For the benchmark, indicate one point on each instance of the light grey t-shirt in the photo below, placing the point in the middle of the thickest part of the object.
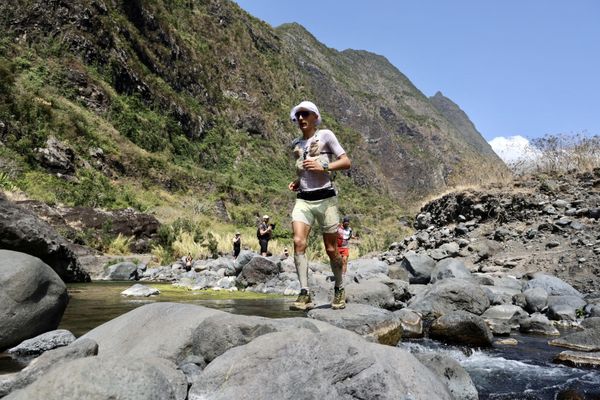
(328, 147)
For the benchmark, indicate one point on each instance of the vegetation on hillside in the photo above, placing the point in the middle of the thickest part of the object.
(180, 109)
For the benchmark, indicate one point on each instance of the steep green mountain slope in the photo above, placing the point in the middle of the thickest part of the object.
(181, 108)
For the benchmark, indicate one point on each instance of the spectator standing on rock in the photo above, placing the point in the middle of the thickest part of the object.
(187, 262)
(237, 245)
(263, 234)
(317, 153)
(343, 242)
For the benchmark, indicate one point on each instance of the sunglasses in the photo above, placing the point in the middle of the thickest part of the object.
(304, 114)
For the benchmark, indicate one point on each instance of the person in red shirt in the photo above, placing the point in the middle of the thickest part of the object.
(344, 236)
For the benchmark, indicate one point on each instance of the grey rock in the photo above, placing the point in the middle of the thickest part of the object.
(372, 323)
(461, 327)
(139, 290)
(586, 340)
(579, 359)
(396, 271)
(44, 363)
(536, 299)
(23, 231)
(450, 295)
(506, 313)
(121, 337)
(341, 365)
(592, 322)
(553, 285)
(243, 258)
(371, 292)
(219, 333)
(364, 268)
(109, 378)
(449, 371)
(538, 324)
(44, 342)
(122, 271)
(450, 268)
(500, 294)
(33, 298)
(412, 323)
(574, 302)
(562, 312)
(258, 270)
(419, 266)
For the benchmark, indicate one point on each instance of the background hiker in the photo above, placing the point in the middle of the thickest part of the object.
(263, 234)
(317, 153)
(343, 242)
(237, 245)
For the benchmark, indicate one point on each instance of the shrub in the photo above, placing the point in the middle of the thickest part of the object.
(120, 245)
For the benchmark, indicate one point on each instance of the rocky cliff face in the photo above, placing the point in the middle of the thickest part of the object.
(417, 146)
(196, 94)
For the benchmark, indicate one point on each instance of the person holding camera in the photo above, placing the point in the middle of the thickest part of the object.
(264, 233)
(237, 245)
(317, 152)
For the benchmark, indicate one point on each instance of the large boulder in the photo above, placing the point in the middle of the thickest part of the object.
(258, 270)
(450, 268)
(23, 231)
(450, 295)
(159, 329)
(109, 378)
(420, 266)
(328, 365)
(450, 372)
(461, 327)
(372, 292)
(33, 298)
(223, 331)
(538, 324)
(411, 321)
(122, 271)
(536, 298)
(552, 285)
(586, 340)
(44, 363)
(364, 268)
(370, 322)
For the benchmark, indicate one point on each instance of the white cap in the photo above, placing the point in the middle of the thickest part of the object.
(308, 106)
(237, 233)
(265, 216)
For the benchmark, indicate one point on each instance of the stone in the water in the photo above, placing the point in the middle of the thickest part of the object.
(139, 290)
(44, 342)
(579, 359)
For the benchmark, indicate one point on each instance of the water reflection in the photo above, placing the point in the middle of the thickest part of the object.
(91, 305)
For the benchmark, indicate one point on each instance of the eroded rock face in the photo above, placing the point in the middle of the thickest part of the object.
(33, 298)
(73, 220)
(23, 231)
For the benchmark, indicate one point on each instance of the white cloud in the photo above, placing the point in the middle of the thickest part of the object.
(514, 149)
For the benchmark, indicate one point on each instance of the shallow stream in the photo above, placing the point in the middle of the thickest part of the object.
(517, 372)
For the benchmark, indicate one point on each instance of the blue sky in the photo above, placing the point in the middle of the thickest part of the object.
(516, 67)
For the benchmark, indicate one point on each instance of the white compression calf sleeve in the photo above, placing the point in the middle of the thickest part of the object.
(302, 269)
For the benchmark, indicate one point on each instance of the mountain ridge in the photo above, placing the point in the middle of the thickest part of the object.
(161, 98)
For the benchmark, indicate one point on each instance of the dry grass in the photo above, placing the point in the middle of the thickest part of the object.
(120, 245)
(561, 153)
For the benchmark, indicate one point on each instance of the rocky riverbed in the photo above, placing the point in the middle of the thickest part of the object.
(480, 267)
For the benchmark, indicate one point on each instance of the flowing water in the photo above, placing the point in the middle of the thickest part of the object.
(522, 372)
